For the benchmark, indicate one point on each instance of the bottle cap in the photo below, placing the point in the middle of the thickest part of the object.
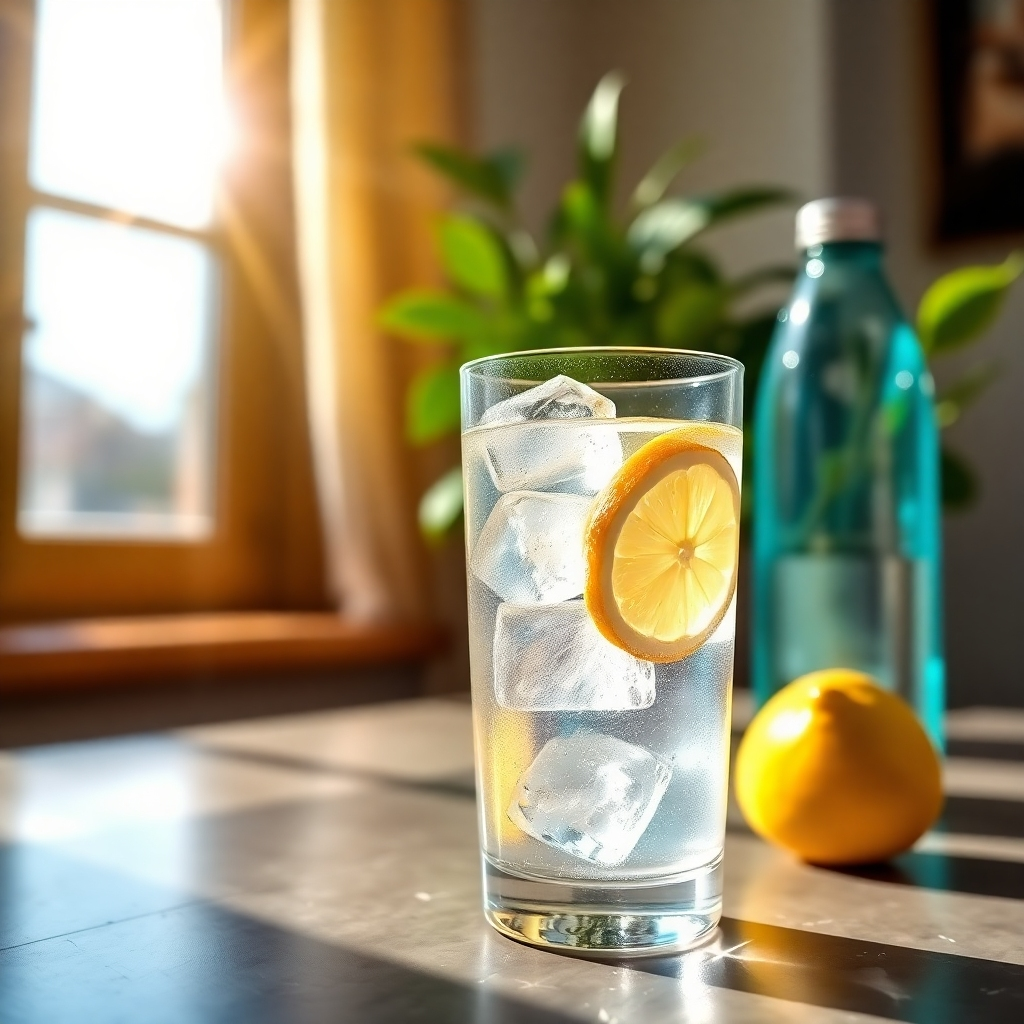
(837, 220)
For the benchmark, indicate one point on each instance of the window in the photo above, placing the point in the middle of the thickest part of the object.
(127, 120)
(152, 426)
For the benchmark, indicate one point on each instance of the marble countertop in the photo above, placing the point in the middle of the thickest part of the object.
(324, 867)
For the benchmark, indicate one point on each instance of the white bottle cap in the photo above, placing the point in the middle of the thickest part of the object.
(837, 220)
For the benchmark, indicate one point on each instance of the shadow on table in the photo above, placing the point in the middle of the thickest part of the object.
(979, 876)
(852, 975)
(973, 875)
(173, 959)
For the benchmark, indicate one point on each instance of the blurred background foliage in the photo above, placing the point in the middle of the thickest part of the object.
(637, 276)
(955, 312)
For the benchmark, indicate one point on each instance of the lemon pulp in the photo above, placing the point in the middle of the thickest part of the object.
(675, 555)
(661, 548)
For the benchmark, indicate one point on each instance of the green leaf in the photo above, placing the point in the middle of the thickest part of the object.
(491, 178)
(582, 220)
(834, 468)
(598, 136)
(755, 336)
(745, 200)
(543, 284)
(433, 408)
(661, 228)
(434, 316)
(555, 274)
(956, 398)
(653, 184)
(690, 265)
(510, 164)
(586, 233)
(688, 315)
(441, 505)
(960, 306)
(473, 257)
(960, 487)
(523, 248)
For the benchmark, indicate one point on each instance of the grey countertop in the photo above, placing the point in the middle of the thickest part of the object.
(324, 867)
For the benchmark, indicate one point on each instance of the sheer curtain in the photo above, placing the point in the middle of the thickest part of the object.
(368, 78)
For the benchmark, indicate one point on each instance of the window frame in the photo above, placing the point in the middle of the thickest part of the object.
(265, 548)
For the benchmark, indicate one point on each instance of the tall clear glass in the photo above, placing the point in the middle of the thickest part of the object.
(601, 698)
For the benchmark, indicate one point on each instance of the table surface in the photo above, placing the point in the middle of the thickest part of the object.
(323, 867)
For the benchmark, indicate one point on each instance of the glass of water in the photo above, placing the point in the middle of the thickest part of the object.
(602, 529)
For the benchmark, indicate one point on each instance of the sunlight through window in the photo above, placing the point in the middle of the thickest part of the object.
(115, 383)
(119, 353)
(128, 106)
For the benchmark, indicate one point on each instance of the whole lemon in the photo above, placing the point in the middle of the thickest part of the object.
(838, 771)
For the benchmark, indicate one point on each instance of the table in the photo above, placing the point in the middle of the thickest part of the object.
(323, 867)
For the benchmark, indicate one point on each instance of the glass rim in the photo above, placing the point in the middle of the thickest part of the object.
(730, 365)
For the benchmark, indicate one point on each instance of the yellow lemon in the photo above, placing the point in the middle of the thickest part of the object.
(661, 547)
(838, 771)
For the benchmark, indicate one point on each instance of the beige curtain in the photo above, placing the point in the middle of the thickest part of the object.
(368, 78)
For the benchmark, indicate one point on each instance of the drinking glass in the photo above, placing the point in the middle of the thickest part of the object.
(602, 521)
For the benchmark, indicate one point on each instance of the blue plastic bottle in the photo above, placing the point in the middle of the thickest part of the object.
(847, 528)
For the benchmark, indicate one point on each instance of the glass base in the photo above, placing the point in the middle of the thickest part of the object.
(643, 919)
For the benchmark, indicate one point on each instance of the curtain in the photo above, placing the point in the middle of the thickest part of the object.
(369, 77)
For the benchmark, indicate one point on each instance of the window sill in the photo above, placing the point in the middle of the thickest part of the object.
(91, 654)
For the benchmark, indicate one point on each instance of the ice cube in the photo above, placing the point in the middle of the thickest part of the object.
(590, 795)
(571, 458)
(530, 550)
(553, 455)
(560, 398)
(554, 659)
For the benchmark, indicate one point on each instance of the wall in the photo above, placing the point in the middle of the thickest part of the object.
(826, 96)
(743, 75)
(881, 104)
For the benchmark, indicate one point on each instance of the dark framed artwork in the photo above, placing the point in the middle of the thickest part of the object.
(979, 59)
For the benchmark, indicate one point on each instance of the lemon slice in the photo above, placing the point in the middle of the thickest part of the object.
(661, 547)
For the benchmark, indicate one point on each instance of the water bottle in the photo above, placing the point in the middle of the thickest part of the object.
(847, 541)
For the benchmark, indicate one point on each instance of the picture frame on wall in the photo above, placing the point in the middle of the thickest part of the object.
(979, 63)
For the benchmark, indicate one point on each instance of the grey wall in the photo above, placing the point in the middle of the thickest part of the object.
(744, 75)
(824, 96)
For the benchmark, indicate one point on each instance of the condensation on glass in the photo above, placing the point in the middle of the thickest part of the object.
(119, 354)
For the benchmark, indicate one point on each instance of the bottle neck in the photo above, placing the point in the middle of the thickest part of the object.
(866, 255)
(848, 272)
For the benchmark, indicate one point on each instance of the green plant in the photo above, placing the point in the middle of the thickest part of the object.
(598, 277)
(633, 277)
(956, 311)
